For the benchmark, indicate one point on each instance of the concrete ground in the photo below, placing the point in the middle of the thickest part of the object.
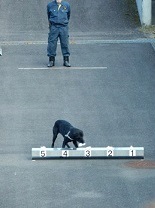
(114, 106)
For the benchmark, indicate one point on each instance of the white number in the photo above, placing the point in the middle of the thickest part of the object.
(65, 153)
(43, 153)
(88, 153)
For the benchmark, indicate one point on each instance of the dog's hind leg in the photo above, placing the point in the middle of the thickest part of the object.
(55, 133)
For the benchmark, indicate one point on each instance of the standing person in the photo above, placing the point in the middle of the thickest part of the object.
(58, 12)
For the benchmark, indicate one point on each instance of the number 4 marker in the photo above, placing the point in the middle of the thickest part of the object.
(65, 153)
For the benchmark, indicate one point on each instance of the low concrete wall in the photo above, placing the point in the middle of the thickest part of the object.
(145, 11)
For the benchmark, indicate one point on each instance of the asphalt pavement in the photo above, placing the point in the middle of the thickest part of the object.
(114, 105)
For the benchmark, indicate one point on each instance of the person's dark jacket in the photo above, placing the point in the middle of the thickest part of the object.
(58, 17)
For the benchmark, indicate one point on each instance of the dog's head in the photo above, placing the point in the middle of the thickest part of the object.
(78, 135)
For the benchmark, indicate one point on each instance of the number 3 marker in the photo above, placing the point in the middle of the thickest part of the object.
(87, 152)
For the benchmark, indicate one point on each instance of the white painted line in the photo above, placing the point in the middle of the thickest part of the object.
(55, 68)
(89, 41)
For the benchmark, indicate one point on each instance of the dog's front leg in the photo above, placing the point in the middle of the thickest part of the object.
(65, 143)
(75, 144)
(68, 145)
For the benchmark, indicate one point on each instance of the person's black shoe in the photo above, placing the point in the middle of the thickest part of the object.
(66, 61)
(51, 62)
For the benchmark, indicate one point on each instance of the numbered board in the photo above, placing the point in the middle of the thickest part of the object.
(89, 152)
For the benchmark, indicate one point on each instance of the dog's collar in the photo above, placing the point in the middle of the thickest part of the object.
(67, 135)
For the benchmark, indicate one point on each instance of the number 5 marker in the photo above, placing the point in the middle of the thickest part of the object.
(43, 151)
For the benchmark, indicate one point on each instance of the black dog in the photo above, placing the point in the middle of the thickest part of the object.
(70, 134)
